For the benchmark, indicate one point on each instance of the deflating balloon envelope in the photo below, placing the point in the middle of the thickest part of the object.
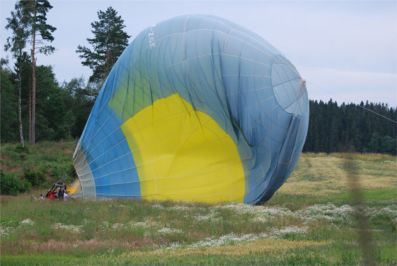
(195, 109)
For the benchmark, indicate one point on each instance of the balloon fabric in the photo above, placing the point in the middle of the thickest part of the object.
(196, 109)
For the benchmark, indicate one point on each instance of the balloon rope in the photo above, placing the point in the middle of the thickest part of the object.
(385, 117)
(369, 110)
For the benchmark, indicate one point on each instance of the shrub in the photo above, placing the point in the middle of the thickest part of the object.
(11, 184)
(20, 149)
(36, 178)
(72, 175)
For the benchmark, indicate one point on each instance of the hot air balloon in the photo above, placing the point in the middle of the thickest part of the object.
(196, 109)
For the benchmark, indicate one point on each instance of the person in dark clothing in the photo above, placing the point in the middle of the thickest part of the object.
(61, 193)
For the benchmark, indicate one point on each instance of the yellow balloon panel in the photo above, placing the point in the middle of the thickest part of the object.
(183, 154)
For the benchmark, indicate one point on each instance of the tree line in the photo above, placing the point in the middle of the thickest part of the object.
(35, 106)
(364, 127)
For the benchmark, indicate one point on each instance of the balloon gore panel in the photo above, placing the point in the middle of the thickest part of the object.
(195, 109)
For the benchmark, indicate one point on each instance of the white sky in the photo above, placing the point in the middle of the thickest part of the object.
(346, 50)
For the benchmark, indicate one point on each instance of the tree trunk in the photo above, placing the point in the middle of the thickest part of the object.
(20, 107)
(32, 137)
(30, 114)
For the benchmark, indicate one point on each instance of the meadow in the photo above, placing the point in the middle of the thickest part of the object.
(312, 220)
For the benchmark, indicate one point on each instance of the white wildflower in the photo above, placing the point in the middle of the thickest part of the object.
(179, 208)
(27, 222)
(71, 228)
(117, 226)
(261, 219)
(259, 213)
(227, 239)
(289, 230)
(167, 230)
(139, 224)
(386, 211)
(174, 245)
(328, 212)
(145, 224)
(210, 216)
(5, 231)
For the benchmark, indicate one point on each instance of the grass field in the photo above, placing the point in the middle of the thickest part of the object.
(310, 220)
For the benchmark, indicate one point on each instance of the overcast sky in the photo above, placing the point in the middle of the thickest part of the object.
(346, 50)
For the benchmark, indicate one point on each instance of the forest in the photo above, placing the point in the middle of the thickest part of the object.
(35, 106)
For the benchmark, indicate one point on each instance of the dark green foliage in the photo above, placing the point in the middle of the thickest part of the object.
(35, 178)
(61, 110)
(382, 144)
(11, 184)
(351, 127)
(80, 99)
(108, 43)
(22, 150)
(53, 114)
(16, 23)
(35, 18)
(9, 108)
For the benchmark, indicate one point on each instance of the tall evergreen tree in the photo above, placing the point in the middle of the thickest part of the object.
(108, 43)
(16, 43)
(35, 16)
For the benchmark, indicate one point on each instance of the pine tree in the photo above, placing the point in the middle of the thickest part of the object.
(16, 43)
(108, 43)
(348, 127)
(34, 14)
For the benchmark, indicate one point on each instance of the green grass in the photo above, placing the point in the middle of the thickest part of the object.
(309, 221)
(372, 197)
(334, 254)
